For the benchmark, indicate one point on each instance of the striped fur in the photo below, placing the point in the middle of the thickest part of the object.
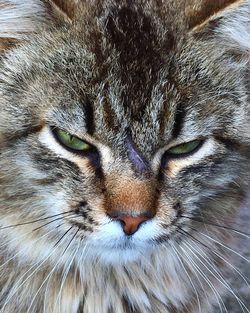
(133, 79)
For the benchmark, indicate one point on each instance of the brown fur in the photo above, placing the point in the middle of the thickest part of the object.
(133, 79)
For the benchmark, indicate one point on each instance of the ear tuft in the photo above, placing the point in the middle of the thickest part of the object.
(19, 18)
(234, 31)
(228, 21)
(201, 12)
(66, 8)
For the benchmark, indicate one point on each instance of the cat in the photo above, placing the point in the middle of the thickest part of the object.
(124, 168)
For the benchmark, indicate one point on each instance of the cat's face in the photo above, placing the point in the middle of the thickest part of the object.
(131, 188)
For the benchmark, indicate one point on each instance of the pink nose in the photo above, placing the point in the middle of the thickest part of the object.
(130, 224)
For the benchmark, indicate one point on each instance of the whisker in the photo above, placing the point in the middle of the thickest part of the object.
(83, 257)
(208, 281)
(71, 258)
(7, 243)
(221, 244)
(179, 256)
(241, 303)
(217, 225)
(56, 219)
(196, 275)
(49, 278)
(216, 253)
(51, 272)
(35, 221)
(73, 237)
(220, 278)
(220, 207)
(63, 236)
(20, 251)
(36, 268)
(231, 290)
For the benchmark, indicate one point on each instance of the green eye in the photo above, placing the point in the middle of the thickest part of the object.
(71, 141)
(185, 148)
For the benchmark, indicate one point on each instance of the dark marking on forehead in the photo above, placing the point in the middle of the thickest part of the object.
(141, 51)
(178, 121)
(109, 115)
(89, 116)
(138, 161)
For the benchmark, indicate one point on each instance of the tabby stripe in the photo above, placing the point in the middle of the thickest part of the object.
(11, 138)
(89, 117)
(178, 121)
(231, 144)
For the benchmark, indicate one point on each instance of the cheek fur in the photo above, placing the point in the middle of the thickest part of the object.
(174, 166)
(136, 77)
(48, 140)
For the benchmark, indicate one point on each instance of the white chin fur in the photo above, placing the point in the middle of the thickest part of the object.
(120, 256)
(111, 246)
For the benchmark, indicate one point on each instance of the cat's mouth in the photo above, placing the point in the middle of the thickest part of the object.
(122, 251)
(110, 242)
(112, 245)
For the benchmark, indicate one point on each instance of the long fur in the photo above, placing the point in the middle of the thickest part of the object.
(119, 75)
(19, 18)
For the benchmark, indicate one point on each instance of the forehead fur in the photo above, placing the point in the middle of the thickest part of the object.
(138, 43)
(131, 64)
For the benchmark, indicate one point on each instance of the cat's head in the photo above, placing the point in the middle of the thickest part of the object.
(122, 125)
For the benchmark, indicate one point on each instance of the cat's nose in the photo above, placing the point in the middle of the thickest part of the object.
(130, 224)
(131, 201)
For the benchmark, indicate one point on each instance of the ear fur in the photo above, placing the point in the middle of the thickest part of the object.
(234, 31)
(66, 8)
(20, 18)
(201, 12)
(227, 20)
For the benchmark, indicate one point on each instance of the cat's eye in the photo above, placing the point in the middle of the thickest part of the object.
(70, 141)
(185, 148)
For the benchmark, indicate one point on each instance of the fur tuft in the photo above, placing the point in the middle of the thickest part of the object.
(20, 17)
(124, 76)
(236, 30)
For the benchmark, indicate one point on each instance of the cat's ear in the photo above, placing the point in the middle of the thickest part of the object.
(21, 18)
(201, 12)
(64, 10)
(228, 21)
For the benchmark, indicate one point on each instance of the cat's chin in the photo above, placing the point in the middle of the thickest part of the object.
(120, 256)
(111, 246)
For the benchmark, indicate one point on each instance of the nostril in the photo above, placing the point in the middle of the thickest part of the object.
(130, 224)
(122, 222)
